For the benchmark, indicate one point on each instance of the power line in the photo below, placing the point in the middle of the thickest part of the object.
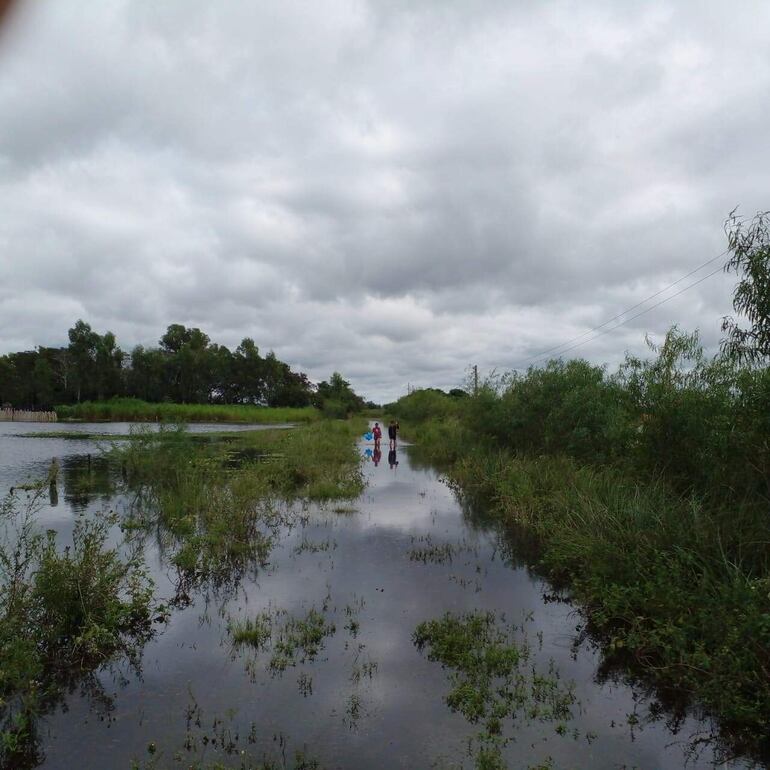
(647, 310)
(628, 310)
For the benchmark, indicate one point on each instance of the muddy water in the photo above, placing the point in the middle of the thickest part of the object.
(403, 553)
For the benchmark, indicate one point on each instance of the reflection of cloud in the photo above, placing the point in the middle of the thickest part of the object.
(421, 188)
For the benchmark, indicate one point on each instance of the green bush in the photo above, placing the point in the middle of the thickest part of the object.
(63, 614)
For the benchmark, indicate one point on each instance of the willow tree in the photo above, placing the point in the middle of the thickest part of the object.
(749, 245)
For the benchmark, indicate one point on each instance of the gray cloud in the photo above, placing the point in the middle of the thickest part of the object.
(393, 190)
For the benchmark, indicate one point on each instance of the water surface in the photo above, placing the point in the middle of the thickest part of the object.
(370, 698)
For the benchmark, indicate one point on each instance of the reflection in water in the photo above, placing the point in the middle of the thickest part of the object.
(68, 610)
(86, 479)
(406, 553)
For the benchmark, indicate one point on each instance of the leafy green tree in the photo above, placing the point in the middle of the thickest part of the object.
(108, 365)
(9, 382)
(43, 383)
(146, 375)
(24, 369)
(337, 397)
(283, 387)
(249, 372)
(175, 338)
(749, 243)
(82, 357)
(188, 363)
(223, 385)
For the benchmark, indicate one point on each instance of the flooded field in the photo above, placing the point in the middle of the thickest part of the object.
(397, 630)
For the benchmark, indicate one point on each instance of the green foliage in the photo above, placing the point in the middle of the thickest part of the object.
(647, 493)
(681, 585)
(292, 641)
(216, 498)
(64, 614)
(749, 244)
(186, 367)
(420, 405)
(136, 410)
(491, 677)
(337, 399)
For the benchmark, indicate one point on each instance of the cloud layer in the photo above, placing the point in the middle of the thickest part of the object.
(391, 190)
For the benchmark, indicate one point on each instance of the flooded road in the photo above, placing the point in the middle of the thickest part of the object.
(362, 694)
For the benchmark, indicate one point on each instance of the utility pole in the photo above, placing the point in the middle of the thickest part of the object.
(475, 380)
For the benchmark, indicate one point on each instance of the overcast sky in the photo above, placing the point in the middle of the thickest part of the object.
(394, 190)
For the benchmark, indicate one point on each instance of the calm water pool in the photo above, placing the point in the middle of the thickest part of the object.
(404, 552)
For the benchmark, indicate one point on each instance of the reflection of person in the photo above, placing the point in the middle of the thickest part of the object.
(377, 431)
(392, 458)
(377, 456)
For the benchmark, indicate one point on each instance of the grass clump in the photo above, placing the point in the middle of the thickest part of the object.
(63, 614)
(295, 640)
(491, 678)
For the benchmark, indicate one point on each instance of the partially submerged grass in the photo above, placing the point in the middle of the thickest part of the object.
(64, 613)
(73, 435)
(136, 410)
(493, 682)
(681, 589)
(433, 554)
(291, 640)
(223, 745)
(221, 503)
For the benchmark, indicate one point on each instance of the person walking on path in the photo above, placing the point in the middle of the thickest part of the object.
(393, 433)
(377, 431)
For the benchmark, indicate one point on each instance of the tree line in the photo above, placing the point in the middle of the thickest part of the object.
(185, 367)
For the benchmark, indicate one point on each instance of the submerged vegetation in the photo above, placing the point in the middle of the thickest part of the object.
(647, 491)
(493, 681)
(232, 749)
(65, 612)
(293, 640)
(220, 502)
(213, 503)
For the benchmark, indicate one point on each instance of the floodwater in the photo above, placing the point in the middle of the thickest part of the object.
(403, 553)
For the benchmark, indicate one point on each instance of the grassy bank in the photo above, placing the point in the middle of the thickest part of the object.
(651, 509)
(136, 410)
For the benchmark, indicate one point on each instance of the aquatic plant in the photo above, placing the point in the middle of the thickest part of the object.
(64, 613)
(492, 680)
(292, 641)
(223, 501)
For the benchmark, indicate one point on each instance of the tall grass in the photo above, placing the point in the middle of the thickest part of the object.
(136, 410)
(647, 493)
(684, 587)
